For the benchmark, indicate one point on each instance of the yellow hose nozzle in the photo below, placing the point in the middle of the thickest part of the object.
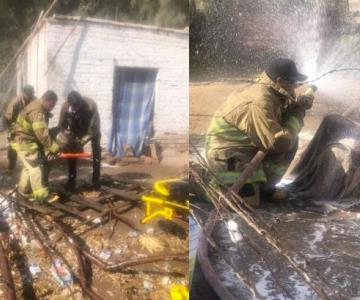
(311, 90)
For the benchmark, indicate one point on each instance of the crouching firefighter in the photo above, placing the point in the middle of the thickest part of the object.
(80, 121)
(266, 116)
(14, 108)
(33, 143)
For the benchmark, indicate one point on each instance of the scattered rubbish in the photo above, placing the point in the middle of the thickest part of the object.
(133, 234)
(14, 228)
(151, 244)
(234, 231)
(150, 230)
(53, 198)
(118, 251)
(105, 254)
(47, 269)
(167, 267)
(140, 255)
(111, 294)
(35, 245)
(91, 194)
(148, 285)
(61, 274)
(96, 221)
(24, 240)
(35, 269)
(165, 281)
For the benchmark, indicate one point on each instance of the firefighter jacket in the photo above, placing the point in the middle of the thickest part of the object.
(13, 109)
(83, 124)
(259, 117)
(31, 129)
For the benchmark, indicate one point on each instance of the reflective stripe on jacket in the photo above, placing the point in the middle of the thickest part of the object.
(259, 117)
(31, 130)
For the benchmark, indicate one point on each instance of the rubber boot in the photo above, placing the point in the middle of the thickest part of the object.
(250, 193)
(71, 185)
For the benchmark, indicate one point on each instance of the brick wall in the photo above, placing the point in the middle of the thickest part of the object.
(90, 50)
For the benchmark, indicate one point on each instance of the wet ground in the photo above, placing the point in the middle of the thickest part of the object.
(327, 244)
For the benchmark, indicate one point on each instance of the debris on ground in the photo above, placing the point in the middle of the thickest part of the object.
(151, 243)
(90, 244)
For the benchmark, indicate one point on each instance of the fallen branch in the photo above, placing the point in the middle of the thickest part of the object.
(72, 242)
(6, 276)
(259, 225)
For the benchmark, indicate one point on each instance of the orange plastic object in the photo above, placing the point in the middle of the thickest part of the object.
(74, 155)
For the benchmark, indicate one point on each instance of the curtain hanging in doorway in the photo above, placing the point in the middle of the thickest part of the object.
(132, 110)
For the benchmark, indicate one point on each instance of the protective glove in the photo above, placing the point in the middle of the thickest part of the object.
(305, 101)
(85, 140)
(297, 110)
(52, 156)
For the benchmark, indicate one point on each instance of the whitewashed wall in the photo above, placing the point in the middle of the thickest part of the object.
(89, 54)
(33, 62)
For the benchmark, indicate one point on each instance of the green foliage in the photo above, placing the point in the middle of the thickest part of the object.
(18, 16)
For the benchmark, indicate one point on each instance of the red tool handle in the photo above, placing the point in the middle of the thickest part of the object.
(74, 155)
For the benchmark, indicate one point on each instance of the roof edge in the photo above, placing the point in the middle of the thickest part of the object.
(120, 24)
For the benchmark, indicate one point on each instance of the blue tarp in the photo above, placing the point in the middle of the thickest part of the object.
(132, 110)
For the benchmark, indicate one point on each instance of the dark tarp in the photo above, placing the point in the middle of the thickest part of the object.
(330, 166)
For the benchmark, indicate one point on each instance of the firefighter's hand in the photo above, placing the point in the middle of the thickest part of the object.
(85, 140)
(298, 110)
(305, 102)
(52, 156)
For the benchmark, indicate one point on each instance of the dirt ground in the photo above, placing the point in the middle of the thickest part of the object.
(149, 281)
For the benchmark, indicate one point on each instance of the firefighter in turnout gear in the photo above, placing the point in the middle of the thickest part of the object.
(80, 122)
(33, 143)
(14, 108)
(266, 116)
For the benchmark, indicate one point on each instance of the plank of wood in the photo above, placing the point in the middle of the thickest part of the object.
(82, 201)
(125, 195)
(153, 152)
(67, 209)
(37, 207)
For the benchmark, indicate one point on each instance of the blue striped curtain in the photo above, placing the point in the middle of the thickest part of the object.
(132, 110)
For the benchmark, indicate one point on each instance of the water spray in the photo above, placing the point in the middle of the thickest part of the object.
(332, 71)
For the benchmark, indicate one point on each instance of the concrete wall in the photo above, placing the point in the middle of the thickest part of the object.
(91, 50)
(32, 64)
(354, 5)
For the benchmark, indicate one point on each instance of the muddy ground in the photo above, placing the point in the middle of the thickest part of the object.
(110, 237)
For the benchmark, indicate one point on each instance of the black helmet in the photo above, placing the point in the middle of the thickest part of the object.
(74, 97)
(286, 69)
(29, 91)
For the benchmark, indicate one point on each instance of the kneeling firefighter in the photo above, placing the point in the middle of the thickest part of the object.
(266, 116)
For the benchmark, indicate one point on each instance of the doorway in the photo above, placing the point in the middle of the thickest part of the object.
(132, 110)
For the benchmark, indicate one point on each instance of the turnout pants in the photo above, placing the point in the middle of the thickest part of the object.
(96, 155)
(34, 175)
(263, 180)
(11, 152)
(12, 157)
